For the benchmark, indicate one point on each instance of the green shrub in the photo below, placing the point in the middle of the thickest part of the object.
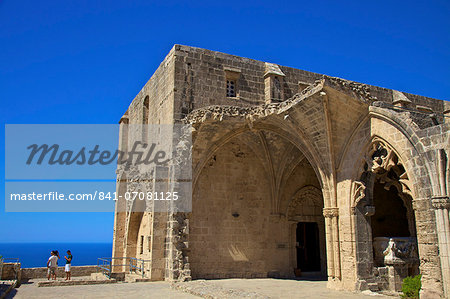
(411, 286)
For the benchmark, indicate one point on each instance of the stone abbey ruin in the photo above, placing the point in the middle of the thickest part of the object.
(293, 174)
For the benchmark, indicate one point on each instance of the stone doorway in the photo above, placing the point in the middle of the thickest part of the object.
(308, 253)
(308, 247)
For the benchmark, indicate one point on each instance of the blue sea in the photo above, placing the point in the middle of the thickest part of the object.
(37, 254)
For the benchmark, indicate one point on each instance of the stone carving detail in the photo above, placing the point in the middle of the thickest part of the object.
(218, 112)
(383, 164)
(381, 157)
(330, 212)
(362, 90)
(442, 202)
(358, 194)
(308, 198)
(391, 251)
(381, 160)
(251, 113)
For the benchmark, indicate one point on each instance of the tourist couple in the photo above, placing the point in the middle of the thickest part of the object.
(52, 264)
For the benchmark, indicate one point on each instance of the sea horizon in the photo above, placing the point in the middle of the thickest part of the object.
(36, 254)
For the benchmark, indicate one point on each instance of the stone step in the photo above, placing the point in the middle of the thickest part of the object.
(373, 286)
(73, 282)
(143, 280)
(136, 278)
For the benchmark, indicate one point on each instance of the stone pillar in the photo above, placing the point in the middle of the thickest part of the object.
(118, 239)
(329, 242)
(158, 246)
(177, 263)
(442, 207)
(159, 226)
(441, 204)
(336, 246)
(332, 239)
(120, 214)
(396, 274)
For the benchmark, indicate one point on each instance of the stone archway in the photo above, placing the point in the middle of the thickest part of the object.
(135, 216)
(384, 219)
(238, 225)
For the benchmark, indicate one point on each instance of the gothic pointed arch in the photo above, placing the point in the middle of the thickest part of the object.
(382, 205)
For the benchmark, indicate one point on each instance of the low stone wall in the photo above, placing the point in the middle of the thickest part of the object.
(10, 271)
(30, 273)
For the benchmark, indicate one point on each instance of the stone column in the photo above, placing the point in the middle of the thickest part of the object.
(442, 207)
(441, 204)
(332, 239)
(120, 222)
(120, 214)
(177, 262)
(159, 225)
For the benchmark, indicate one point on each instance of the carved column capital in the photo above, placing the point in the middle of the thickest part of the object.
(330, 212)
(440, 202)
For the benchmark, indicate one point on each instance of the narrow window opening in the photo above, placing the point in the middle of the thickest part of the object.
(276, 91)
(145, 117)
(142, 245)
(231, 88)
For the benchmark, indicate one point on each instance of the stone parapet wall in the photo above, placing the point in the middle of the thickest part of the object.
(31, 273)
(10, 271)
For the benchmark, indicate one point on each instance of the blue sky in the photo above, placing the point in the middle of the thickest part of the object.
(83, 61)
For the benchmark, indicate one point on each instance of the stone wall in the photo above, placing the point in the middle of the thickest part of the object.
(157, 97)
(41, 272)
(159, 89)
(10, 271)
(201, 75)
(228, 226)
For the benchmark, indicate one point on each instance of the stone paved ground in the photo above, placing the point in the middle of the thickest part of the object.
(226, 288)
(117, 290)
(283, 288)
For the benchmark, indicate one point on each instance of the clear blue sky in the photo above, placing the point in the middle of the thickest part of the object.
(83, 62)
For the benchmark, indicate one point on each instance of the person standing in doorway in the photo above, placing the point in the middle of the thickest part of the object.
(68, 264)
